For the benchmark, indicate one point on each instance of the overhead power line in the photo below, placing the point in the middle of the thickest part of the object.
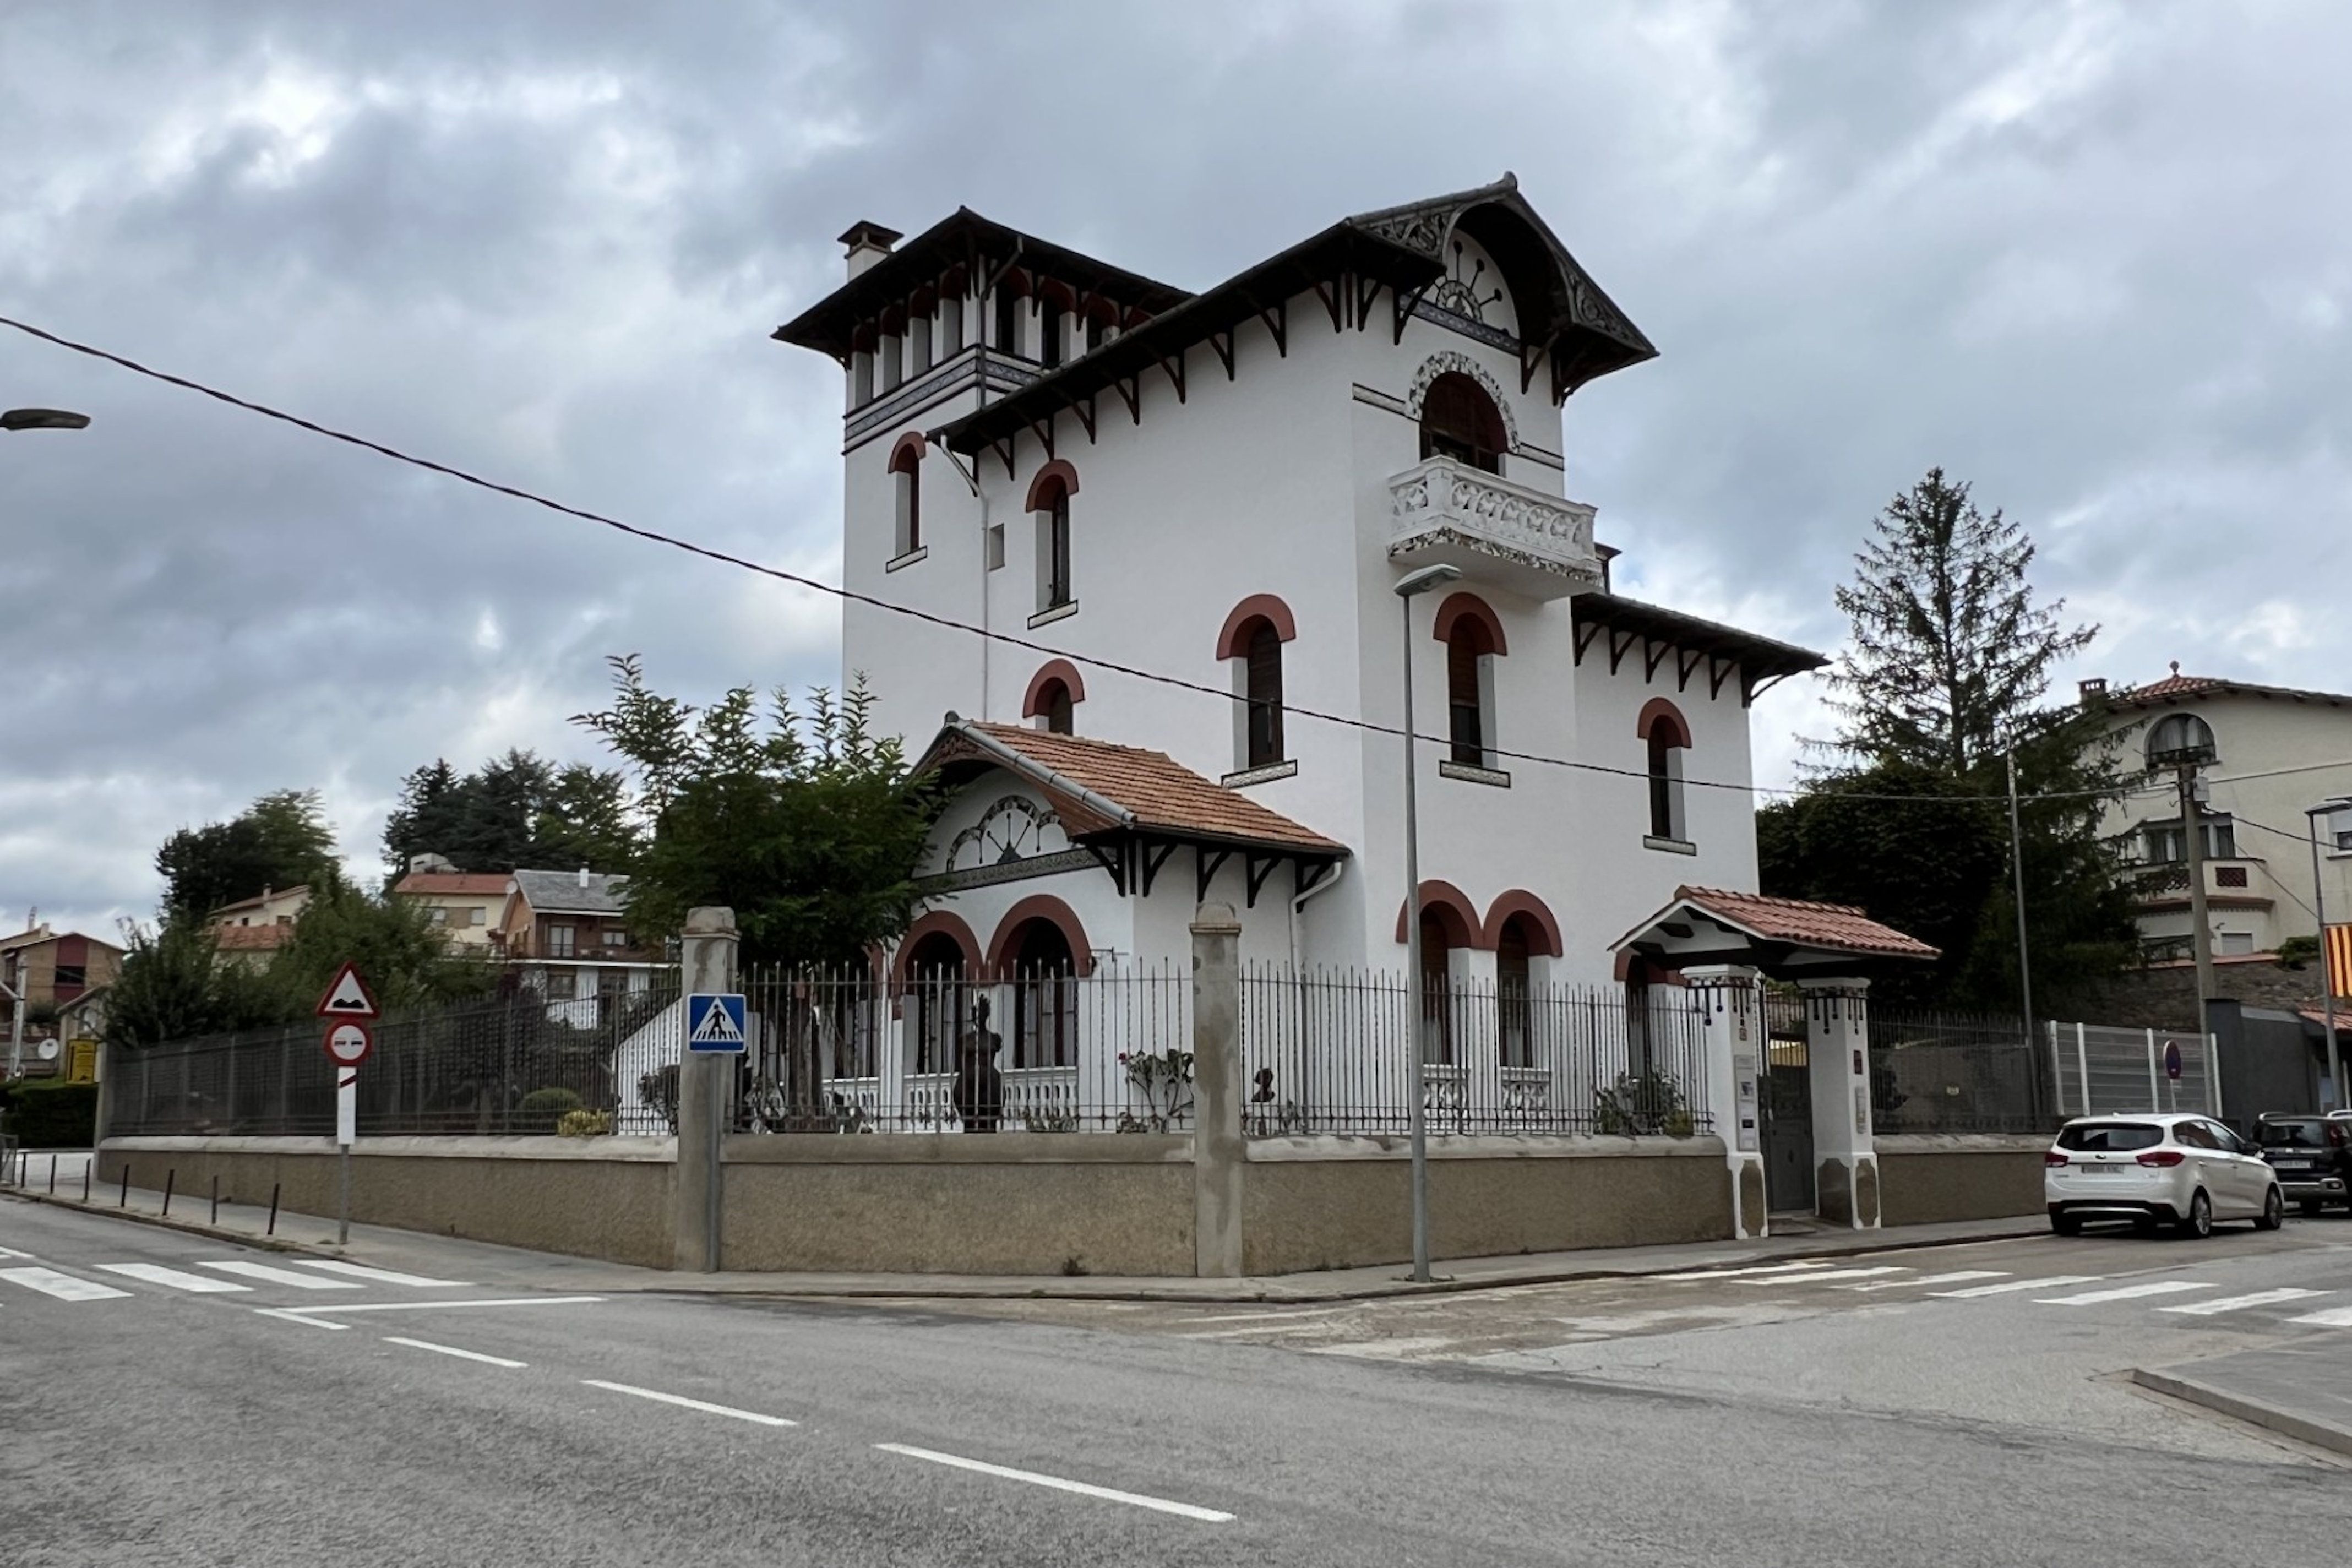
(852, 596)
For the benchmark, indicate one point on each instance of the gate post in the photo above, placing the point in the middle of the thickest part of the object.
(705, 1082)
(1731, 1041)
(1837, 1049)
(1218, 1151)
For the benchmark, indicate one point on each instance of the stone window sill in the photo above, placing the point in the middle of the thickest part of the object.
(921, 552)
(1449, 769)
(1671, 846)
(1267, 775)
(1053, 613)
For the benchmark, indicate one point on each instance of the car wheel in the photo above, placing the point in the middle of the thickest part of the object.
(2309, 1208)
(2198, 1221)
(2066, 1224)
(2273, 1212)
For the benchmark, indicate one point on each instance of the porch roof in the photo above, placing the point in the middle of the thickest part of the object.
(1785, 938)
(1100, 788)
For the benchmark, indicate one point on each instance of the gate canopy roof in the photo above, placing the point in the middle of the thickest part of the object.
(1787, 939)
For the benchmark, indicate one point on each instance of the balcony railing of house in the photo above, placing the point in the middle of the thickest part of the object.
(1538, 545)
(2167, 881)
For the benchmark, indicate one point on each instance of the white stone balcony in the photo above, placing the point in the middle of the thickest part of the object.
(1498, 532)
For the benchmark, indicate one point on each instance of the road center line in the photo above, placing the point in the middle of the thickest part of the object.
(452, 1349)
(2124, 1293)
(2238, 1303)
(1109, 1494)
(681, 1400)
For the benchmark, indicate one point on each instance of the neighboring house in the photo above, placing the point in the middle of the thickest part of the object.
(51, 969)
(467, 906)
(250, 929)
(567, 932)
(1224, 488)
(2280, 751)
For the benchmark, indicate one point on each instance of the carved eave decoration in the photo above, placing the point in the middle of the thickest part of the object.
(1668, 646)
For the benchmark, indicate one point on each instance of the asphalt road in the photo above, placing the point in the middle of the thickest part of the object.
(1752, 1422)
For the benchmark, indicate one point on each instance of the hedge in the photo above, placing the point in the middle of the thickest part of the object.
(51, 1115)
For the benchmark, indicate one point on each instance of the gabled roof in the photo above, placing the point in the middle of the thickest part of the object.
(41, 934)
(2178, 687)
(1100, 788)
(1780, 936)
(1563, 316)
(464, 884)
(251, 939)
(561, 892)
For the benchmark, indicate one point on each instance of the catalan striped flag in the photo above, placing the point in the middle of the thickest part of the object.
(2339, 960)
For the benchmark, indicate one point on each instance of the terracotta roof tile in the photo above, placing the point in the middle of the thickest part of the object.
(251, 939)
(474, 884)
(1839, 926)
(2177, 686)
(1159, 792)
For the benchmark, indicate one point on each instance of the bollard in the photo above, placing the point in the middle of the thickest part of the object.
(273, 1210)
(169, 1173)
(124, 1201)
(216, 1199)
(52, 1175)
(86, 1164)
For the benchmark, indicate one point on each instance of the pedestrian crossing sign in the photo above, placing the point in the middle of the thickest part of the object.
(714, 1022)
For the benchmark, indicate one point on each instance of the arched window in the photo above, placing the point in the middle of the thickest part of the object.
(934, 1000)
(1051, 506)
(1514, 1006)
(906, 483)
(1056, 709)
(919, 310)
(1668, 737)
(1458, 420)
(1045, 987)
(1055, 691)
(1262, 677)
(1437, 944)
(1469, 648)
(1005, 337)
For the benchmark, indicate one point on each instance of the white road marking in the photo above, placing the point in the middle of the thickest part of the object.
(452, 1349)
(2239, 1303)
(2124, 1293)
(64, 1286)
(1311, 1327)
(295, 1315)
(1734, 1273)
(425, 1305)
(276, 1276)
(381, 1276)
(1383, 1349)
(12, 1252)
(1829, 1274)
(1954, 1278)
(1109, 1494)
(2051, 1283)
(156, 1274)
(704, 1405)
(2333, 1318)
(1286, 1312)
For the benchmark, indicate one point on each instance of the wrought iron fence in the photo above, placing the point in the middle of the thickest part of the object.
(1951, 1072)
(936, 1051)
(512, 1065)
(1331, 1051)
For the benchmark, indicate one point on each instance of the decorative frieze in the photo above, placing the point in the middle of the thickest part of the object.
(1525, 541)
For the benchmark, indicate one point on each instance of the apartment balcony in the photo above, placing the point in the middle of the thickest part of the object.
(1502, 534)
(2243, 881)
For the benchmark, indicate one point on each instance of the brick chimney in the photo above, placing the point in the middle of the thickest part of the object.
(868, 243)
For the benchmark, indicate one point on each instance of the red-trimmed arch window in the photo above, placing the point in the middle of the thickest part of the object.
(1666, 734)
(1252, 641)
(906, 495)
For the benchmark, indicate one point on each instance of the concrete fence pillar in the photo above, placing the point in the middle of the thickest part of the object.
(1731, 1023)
(1837, 1055)
(705, 1091)
(1219, 1155)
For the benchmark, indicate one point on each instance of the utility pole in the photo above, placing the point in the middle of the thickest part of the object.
(2017, 872)
(2327, 808)
(1417, 1003)
(2201, 933)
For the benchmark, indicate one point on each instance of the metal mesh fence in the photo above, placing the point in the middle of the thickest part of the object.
(1331, 1051)
(1948, 1072)
(2097, 1069)
(508, 1065)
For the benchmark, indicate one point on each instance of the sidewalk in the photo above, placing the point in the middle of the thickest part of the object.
(249, 1225)
(2303, 1392)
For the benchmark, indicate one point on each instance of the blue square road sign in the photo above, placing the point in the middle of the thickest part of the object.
(714, 1022)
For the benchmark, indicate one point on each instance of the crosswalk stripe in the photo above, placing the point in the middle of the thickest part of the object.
(2333, 1318)
(1734, 1273)
(1829, 1274)
(64, 1286)
(276, 1276)
(12, 1252)
(156, 1274)
(1954, 1278)
(2005, 1287)
(380, 1275)
(2239, 1303)
(2124, 1293)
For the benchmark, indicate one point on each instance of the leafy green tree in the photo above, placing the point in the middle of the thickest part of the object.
(805, 821)
(408, 963)
(513, 811)
(1948, 663)
(174, 986)
(282, 841)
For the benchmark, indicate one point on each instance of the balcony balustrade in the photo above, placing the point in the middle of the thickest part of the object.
(1498, 532)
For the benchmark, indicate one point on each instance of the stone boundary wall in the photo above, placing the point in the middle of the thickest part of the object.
(1924, 1178)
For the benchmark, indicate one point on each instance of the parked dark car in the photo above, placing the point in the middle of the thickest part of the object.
(2313, 1157)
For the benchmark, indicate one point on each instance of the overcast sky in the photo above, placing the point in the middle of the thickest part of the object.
(2095, 258)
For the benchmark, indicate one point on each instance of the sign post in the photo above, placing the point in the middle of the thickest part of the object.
(348, 1008)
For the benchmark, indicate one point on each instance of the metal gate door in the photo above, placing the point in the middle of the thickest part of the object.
(1788, 1128)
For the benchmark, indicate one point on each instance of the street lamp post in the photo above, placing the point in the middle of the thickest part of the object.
(1407, 587)
(2311, 817)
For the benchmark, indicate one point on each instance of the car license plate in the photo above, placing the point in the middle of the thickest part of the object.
(2100, 1169)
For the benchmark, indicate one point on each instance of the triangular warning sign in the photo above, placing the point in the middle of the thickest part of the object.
(349, 996)
(717, 1027)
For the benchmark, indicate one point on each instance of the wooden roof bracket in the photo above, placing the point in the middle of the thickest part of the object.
(1130, 392)
(1085, 410)
(1751, 690)
(1257, 868)
(1684, 665)
(1718, 670)
(1154, 855)
(1175, 372)
(1618, 647)
(1044, 429)
(1113, 860)
(1003, 446)
(1206, 864)
(1406, 304)
(1278, 323)
(1652, 655)
(1368, 289)
(1222, 343)
(1584, 635)
(1330, 298)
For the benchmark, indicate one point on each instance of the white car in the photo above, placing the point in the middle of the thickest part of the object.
(2158, 1169)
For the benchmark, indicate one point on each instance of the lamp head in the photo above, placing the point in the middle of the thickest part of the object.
(1428, 577)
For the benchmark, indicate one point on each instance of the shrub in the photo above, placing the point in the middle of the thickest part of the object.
(541, 1109)
(51, 1115)
(583, 1124)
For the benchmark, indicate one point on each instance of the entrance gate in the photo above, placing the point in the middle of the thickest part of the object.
(1788, 1108)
